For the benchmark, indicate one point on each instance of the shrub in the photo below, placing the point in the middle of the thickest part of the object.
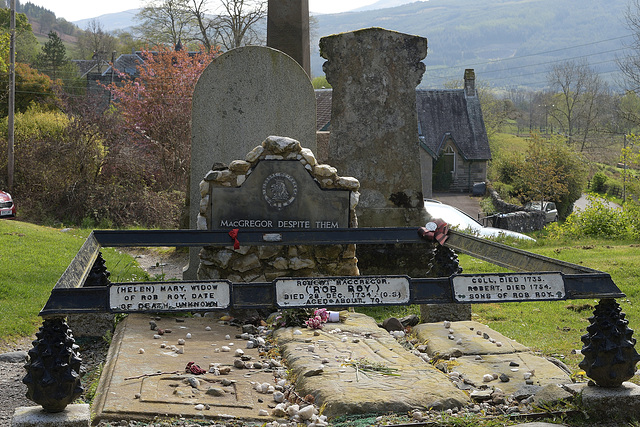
(598, 182)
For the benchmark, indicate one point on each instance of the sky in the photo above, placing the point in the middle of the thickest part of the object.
(73, 10)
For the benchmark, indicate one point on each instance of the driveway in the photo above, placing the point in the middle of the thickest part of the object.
(463, 201)
(583, 202)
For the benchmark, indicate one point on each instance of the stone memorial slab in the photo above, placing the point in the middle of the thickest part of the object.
(242, 97)
(288, 29)
(374, 126)
(279, 194)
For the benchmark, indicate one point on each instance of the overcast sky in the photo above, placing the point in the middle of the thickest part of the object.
(73, 10)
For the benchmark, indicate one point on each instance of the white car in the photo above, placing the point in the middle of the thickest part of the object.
(456, 218)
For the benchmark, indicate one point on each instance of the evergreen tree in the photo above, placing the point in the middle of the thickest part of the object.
(53, 57)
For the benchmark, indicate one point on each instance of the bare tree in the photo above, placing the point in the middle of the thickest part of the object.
(95, 43)
(577, 90)
(235, 24)
(204, 33)
(630, 64)
(165, 22)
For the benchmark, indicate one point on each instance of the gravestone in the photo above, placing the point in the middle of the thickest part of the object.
(374, 126)
(243, 96)
(288, 29)
(277, 186)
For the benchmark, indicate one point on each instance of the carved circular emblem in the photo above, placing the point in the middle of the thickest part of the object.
(279, 190)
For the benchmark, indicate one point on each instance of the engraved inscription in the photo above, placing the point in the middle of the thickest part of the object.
(508, 287)
(279, 190)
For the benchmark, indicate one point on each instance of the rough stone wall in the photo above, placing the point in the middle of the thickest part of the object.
(515, 218)
(266, 263)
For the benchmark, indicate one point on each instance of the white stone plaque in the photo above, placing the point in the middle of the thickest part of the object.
(336, 291)
(169, 296)
(508, 287)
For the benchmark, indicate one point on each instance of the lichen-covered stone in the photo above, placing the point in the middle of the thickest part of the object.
(301, 263)
(253, 155)
(204, 188)
(348, 183)
(246, 263)
(204, 204)
(325, 170)
(239, 166)
(281, 263)
(266, 252)
(308, 156)
(201, 223)
(281, 144)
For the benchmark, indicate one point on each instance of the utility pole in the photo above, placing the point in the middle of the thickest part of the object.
(12, 96)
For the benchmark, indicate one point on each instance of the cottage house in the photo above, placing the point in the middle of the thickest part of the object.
(454, 148)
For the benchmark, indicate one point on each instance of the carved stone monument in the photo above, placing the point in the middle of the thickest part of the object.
(278, 186)
(288, 29)
(374, 127)
(243, 96)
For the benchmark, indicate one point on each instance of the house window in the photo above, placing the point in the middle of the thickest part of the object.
(449, 157)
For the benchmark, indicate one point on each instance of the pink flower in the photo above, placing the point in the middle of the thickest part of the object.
(322, 313)
(315, 322)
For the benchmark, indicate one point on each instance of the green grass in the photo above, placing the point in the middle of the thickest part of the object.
(33, 258)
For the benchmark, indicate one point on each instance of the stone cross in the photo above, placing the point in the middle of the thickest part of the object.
(374, 127)
(288, 29)
(242, 97)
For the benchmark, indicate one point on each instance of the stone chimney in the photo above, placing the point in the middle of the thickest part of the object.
(469, 82)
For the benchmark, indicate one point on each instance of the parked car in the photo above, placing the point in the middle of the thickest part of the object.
(549, 208)
(7, 208)
(457, 218)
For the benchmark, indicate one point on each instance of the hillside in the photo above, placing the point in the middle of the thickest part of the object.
(504, 40)
(510, 43)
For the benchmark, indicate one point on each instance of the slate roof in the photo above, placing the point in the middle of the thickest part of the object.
(450, 113)
(127, 63)
(323, 109)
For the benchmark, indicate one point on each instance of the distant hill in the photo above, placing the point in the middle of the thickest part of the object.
(510, 43)
(112, 21)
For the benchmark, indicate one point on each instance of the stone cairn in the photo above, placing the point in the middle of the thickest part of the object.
(266, 263)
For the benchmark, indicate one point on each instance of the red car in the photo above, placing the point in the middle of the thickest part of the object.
(7, 208)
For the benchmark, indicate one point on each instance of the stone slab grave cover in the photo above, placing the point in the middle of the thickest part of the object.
(243, 96)
(278, 185)
(374, 126)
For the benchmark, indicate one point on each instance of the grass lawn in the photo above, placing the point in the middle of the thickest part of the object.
(33, 258)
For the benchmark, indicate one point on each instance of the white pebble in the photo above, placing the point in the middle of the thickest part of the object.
(199, 407)
(417, 416)
(447, 324)
(459, 341)
(216, 350)
(311, 348)
(181, 341)
(344, 339)
(180, 350)
(225, 349)
(239, 352)
(487, 377)
(250, 344)
(163, 345)
(263, 413)
(261, 341)
(227, 337)
(278, 396)
(189, 336)
(498, 344)
(231, 344)
(157, 337)
(451, 331)
(527, 375)
(306, 413)
(141, 351)
(297, 332)
(451, 337)
(208, 328)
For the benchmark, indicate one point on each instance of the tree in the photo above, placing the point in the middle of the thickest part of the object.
(578, 92)
(156, 109)
(53, 57)
(26, 42)
(552, 172)
(95, 43)
(236, 23)
(32, 87)
(630, 65)
(165, 22)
